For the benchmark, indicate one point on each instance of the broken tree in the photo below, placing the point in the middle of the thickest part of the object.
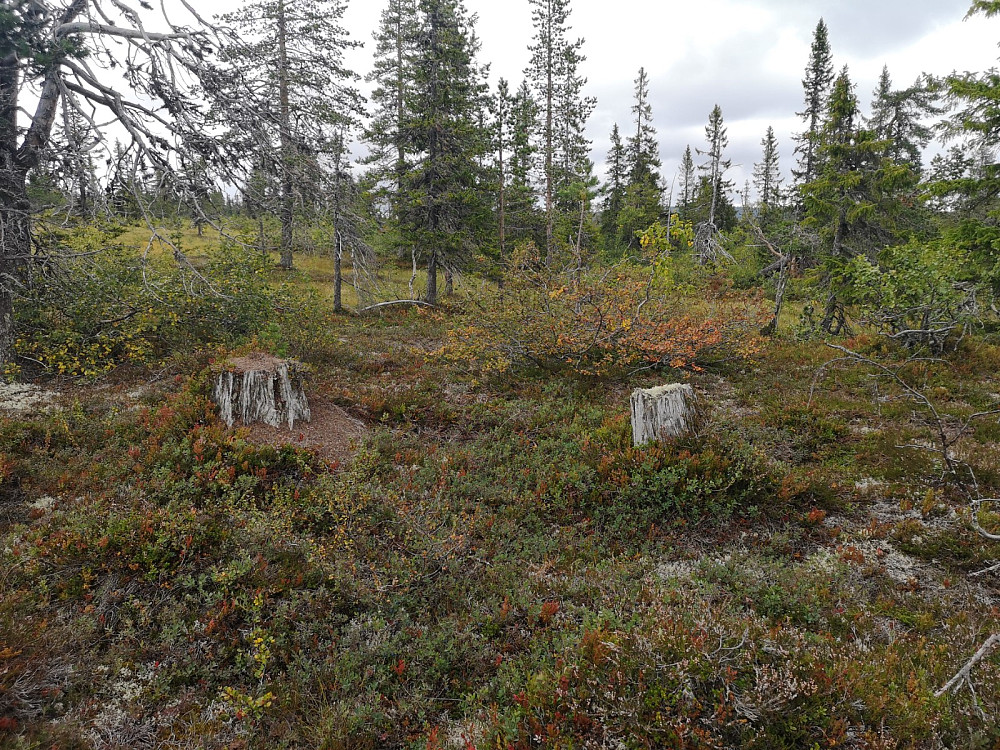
(261, 388)
(665, 412)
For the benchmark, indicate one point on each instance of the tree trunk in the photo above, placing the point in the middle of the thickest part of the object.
(779, 298)
(449, 282)
(432, 284)
(261, 388)
(15, 250)
(287, 206)
(338, 278)
(664, 412)
(549, 155)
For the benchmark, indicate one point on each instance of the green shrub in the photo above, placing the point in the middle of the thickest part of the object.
(106, 305)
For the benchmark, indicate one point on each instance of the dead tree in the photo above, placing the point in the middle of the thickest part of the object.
(52, 47)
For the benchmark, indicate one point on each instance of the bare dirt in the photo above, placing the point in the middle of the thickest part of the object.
(329, 434)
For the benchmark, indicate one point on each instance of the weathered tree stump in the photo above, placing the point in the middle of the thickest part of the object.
(261, 388)
(665, 412)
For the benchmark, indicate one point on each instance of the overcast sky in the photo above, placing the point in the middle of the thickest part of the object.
(746, 55)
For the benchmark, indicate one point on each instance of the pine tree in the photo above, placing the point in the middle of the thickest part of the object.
(443, 204)
(391, 74)
(563, 112)
(291, 71)
(614, 188)
(767, 173)
(687, 177)
(816, 84)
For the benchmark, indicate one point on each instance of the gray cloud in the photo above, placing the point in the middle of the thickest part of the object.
(870, 27)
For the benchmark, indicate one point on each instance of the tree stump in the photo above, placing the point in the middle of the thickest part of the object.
(665, 412)
(261, 388)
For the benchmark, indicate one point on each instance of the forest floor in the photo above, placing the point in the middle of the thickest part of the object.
(489, 563)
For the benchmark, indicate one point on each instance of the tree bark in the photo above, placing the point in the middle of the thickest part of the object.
(432, 267)
(338, 278)
(287, 206)
(665, 412)
(260, 388)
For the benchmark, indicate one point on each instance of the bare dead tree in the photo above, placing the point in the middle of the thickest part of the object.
(103, 62)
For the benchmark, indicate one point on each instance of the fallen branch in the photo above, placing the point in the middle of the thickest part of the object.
(963, 674)
(991, 569)
(417, 302)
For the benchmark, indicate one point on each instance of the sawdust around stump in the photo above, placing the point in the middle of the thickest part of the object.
(328, 434)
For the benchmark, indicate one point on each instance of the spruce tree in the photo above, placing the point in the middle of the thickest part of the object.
(563, 112)
(898, 118)
(717, 165)
(687, 177)
(858, 199)
(767, 173)
(443, 203)
(292, 68)
(643, 151)
(391, 74)
(523, 221)
(502, 105)
(641, 206)
(816, 84)
(614, 188)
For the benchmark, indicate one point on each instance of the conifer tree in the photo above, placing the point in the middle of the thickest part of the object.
(522, 217)
(391, 74)
(643, 151)
(816, 84)
(767, 173)
(858, 197)
(717, 165)
(292, 71)
(898, 118)
(563, 149)
(502, 105)
(687, 177)
(614, 188)
(443, 203)
(641, 206)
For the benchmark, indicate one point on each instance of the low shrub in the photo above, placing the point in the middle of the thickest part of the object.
(605, 322)
(106, 305)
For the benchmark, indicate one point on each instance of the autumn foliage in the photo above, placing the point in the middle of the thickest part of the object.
(608, 321)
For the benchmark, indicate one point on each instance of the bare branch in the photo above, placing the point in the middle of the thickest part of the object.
(963, 674)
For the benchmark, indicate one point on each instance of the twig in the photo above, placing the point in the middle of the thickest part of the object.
(991, 569)
(964, 672)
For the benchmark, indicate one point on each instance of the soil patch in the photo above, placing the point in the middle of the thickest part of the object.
(328, 434)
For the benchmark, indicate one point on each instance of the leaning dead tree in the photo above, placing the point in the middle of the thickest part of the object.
(80, 55)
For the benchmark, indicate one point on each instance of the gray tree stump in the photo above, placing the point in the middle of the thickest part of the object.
(665, 412)
(261, 388)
